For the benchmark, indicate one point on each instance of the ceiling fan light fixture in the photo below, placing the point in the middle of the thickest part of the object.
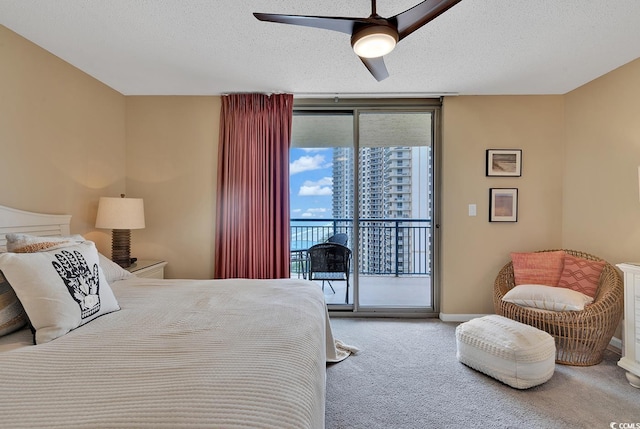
(374, 41)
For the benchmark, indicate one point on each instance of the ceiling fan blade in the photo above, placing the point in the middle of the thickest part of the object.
(411, 19)
(376, 67)
(341, 24)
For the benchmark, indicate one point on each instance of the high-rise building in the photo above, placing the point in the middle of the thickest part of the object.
(393, 189)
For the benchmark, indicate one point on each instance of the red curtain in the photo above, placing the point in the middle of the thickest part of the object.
(252, 229)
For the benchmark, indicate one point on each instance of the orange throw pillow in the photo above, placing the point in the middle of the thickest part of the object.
(539, 268)
(581, 275)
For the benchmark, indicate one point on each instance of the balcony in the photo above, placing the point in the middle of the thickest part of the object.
(405, 291)
(394, 255)
(388, 247)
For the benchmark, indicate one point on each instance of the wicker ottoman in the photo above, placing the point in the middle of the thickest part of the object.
(514, 353)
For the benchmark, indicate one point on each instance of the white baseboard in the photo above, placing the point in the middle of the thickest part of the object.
(458, 317)
(616, 343)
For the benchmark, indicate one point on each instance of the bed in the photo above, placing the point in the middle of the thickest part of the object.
(177, 353)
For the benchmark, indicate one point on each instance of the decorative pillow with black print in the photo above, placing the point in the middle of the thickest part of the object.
(59, 289)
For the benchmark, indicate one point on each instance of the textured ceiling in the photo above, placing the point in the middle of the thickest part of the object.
(205, 47)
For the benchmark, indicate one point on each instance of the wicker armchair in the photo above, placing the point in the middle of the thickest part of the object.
(581, 336)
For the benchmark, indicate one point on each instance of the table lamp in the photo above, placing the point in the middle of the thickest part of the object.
(121, 215)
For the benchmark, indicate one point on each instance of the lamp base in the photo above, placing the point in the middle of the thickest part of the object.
(121, 247)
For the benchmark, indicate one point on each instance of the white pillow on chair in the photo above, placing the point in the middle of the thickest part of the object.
(547, 298)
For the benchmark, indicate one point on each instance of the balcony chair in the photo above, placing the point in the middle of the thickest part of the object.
(340, 238)
(330, 262)
(299, 262)
(581, 336)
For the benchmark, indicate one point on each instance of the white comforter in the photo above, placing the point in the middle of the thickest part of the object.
(194, 353)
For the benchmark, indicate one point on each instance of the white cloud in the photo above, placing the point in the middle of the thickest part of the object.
(315, 212)
(314, 149)
(309, 191)
(325, 181)
(322, 187)
(307, 163)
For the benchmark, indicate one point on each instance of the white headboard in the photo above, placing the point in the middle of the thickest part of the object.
(13, 220)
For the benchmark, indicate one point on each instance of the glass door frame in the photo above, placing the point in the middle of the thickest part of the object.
(364, 105)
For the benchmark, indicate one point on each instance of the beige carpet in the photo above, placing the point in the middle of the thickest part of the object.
(406, 376)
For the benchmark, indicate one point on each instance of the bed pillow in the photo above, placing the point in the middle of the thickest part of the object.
(12, 315)
(540, 268)
(59, 289)
(112, 271)
(582, 275)
(26, 243)
(547, 298)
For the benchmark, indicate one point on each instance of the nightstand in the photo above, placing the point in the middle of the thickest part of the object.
(148, 269)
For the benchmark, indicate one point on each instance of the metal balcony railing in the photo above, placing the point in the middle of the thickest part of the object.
(392, 247)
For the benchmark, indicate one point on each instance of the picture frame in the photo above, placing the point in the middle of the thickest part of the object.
(504, 162)
(503, 204)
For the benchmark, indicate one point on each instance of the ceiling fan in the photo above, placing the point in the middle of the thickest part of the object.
(375, 36)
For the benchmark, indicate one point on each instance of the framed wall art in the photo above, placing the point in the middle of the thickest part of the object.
(503, 205)
(504, 162)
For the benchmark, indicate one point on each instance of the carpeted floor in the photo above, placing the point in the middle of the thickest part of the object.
(406, 375)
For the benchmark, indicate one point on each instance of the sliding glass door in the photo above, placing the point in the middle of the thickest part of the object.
(321, 192)
(366, 170)
(394, 208)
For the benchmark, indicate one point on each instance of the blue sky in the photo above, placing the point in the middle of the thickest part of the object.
(311, 182)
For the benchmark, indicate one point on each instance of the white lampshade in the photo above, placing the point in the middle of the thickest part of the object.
(375, 41)
(120, 213)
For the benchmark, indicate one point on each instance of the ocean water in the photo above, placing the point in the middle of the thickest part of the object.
(305, 234)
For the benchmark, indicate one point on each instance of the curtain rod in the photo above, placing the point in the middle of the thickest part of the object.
(356, 94)
(374, 94)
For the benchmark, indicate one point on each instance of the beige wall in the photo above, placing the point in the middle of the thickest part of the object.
(62, 135)
(474, 249)
(172, 145)
(67, 139)
(579, 188)
(601, 203)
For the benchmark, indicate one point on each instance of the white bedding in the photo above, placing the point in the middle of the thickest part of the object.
(180, 353)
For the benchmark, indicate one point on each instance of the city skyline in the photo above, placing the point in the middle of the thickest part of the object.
(311, 183)
(394, 194)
